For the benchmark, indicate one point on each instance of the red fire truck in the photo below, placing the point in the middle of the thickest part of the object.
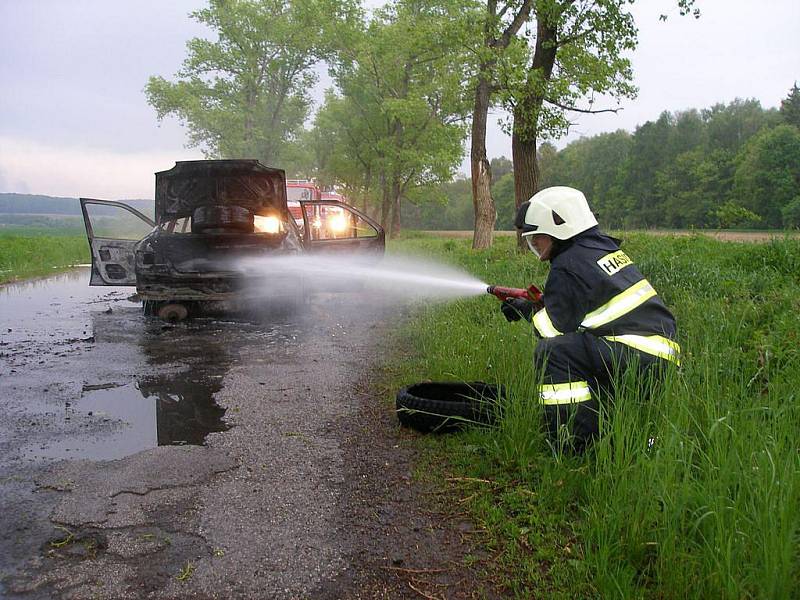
(326, 221)
(297, 190)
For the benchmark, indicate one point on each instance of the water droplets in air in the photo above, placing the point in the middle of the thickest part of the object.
(396, 276)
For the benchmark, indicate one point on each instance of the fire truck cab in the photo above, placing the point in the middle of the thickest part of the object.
(322, 213)
(300, 190)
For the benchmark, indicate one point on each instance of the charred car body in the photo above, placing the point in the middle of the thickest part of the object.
(209, 215)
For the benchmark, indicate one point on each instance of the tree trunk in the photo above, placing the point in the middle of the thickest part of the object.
(396, 215)
(482, 201)
(526, 166)
(365, 204)
(527, 112)
(366, 190)
(386, 203)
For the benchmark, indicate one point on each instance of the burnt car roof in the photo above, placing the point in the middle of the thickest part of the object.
(194, 183)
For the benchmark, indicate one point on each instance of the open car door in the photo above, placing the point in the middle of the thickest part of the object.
(333, 226)
(113, 229)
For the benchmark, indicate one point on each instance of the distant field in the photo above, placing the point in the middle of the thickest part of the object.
(38, 230)
(724, 235)
(30, 252)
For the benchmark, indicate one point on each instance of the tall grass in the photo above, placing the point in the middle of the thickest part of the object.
(693, 490)
(32, 253)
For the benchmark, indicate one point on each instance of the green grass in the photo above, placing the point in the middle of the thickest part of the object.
(29, 252)
(711, 510)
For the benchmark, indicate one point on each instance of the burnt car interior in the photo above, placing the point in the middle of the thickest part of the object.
(209, 214)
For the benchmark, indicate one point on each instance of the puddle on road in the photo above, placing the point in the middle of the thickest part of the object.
(42, 309)
(97, 380)
(149, 394)
(135, 417)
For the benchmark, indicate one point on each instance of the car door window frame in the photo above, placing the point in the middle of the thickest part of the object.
(88, 221)
(99, 265)
(348, 207)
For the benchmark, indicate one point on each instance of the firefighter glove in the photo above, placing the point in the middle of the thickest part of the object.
(515, 309)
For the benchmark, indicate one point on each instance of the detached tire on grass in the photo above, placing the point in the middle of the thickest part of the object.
(446, 407)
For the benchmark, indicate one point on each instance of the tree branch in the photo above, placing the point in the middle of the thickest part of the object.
(576, 37)
(519, 20)
(581, 110)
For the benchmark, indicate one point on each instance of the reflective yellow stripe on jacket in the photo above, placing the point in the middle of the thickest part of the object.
(656, 345)
(619, 305)
(543, 324)
(565, 393)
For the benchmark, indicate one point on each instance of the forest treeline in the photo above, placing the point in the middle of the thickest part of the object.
(729, 166)
(413, 82)
(412, 85)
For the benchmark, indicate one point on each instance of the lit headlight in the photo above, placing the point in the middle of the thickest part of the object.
(337, 223)
(267, 224)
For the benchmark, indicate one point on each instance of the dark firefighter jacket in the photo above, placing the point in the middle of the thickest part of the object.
(594, 286)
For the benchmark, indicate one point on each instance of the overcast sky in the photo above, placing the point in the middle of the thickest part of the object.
(74, 120)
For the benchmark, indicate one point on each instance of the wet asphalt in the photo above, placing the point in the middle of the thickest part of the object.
(203, 459)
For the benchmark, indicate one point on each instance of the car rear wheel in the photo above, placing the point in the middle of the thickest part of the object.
(173, 312)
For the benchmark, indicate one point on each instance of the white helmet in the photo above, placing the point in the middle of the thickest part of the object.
(559, 211)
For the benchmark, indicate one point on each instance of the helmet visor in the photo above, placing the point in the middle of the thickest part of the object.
(529, 241)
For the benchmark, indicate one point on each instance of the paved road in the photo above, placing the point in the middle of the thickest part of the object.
(221, 457)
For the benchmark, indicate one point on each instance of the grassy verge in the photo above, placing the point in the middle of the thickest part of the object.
(32, 252)
(711, 510)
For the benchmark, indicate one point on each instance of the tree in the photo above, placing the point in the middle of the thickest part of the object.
(692, 187)
(549, 163)
(768, 173)
(790, 107)
(688, 132)
(575, 53)
(731, 215)
(728, 127)
(592, 165)
(678, 171)
(343, 134)
(247, 94)
(503, 194)
(499, 25)
(501, 166)
(400, 114)
(453, 210)
(649, 153)
(791, 214)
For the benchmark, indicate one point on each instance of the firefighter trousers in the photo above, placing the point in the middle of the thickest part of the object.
(579, 369)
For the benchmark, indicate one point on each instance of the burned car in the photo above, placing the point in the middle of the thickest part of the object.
(209, 215)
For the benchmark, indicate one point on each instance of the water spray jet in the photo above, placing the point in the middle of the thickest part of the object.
(395, 276)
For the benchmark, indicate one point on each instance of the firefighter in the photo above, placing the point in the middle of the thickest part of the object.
(598, 317)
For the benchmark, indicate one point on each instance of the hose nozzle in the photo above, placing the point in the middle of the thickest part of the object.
(532, 293)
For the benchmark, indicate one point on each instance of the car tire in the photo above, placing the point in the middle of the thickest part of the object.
(173, 312)
(228, 218)
(447, 406)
